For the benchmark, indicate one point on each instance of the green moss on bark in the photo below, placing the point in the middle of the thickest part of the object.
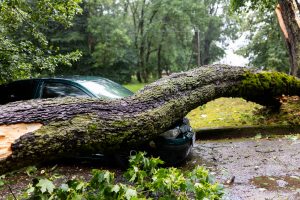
(274, 83)
(265, 87)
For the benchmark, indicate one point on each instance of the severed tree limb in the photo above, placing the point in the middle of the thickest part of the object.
(38, 130)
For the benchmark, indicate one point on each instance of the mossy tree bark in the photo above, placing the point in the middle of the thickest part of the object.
(58, 126)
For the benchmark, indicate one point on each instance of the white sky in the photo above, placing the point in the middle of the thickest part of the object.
(231, 58)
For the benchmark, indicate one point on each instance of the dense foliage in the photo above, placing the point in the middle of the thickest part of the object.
(24, 47)
(143, 180)
(146, 37)
(121, 38)
(266, 48)
(117, 38)
(266, 5)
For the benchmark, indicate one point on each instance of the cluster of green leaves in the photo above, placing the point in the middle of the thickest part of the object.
(262, 5)
(266, 47)
(24, 48)
(145, 180)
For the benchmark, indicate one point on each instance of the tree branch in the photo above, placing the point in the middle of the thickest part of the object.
(49, 128)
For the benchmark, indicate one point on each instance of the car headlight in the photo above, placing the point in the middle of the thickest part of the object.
(171, 134)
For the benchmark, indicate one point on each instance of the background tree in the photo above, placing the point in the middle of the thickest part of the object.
(266, 48)
(73, 38)
(117, 38)
(287, 12)
(145, 38)
(110, 48)
(25, 50)
(164, 37)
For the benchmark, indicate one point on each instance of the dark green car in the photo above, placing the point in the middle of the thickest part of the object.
(172, 146)
(76, 86)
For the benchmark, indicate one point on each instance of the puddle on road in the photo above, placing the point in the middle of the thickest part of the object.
(273, 183)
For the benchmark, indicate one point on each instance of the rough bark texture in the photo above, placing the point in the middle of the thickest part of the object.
(290, 14)
(70, 125)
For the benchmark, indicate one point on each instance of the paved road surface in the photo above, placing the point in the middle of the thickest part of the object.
(253, 168)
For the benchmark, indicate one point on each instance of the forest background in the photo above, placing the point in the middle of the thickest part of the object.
(132, 40)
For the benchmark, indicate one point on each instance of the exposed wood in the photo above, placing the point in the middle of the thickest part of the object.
(288, 17)
(281, 22)
(10, 133)
(88, 125)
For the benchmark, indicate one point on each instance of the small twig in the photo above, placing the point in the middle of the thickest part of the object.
(12, 192)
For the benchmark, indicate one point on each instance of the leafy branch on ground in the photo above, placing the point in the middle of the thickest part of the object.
(144, 180)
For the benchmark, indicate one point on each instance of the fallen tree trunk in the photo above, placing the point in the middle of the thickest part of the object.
(38, 130)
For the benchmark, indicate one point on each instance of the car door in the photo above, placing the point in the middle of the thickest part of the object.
(53, 89)
(18, 91)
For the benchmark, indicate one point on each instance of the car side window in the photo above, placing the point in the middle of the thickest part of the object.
(18, 91)
(55, 89)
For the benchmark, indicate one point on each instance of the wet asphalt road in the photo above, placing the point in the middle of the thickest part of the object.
(253, 168)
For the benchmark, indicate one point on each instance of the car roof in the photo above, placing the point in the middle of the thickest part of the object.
(75, 78)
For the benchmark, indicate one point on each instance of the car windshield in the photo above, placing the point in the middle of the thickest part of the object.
(104, 88)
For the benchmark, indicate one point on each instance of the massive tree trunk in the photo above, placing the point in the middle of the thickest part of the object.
(36, 130)
(288, 16)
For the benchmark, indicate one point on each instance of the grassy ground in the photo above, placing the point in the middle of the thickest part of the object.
(134, 87)
(224, 112)
(238, 112)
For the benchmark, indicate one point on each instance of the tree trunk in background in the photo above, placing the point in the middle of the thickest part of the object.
(38, 130)
(159, 68)
(138, 77)
(142, 47)
(140, 40)
(206, 58)
(197, 47)
(290, 25)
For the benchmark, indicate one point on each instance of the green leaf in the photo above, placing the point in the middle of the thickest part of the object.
(115, 188)
(130, 193)
(30, 190)
(46, 186)
(80, 186)
(2, 182)
(64, 187)
(31, 170)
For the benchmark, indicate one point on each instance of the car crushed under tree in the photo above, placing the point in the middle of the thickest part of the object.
(172, 146)
(47, 128)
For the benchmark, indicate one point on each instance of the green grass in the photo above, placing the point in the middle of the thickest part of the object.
(224, 112)
(134, 87)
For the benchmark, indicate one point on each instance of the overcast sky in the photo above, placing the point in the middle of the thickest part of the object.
(231, 58)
